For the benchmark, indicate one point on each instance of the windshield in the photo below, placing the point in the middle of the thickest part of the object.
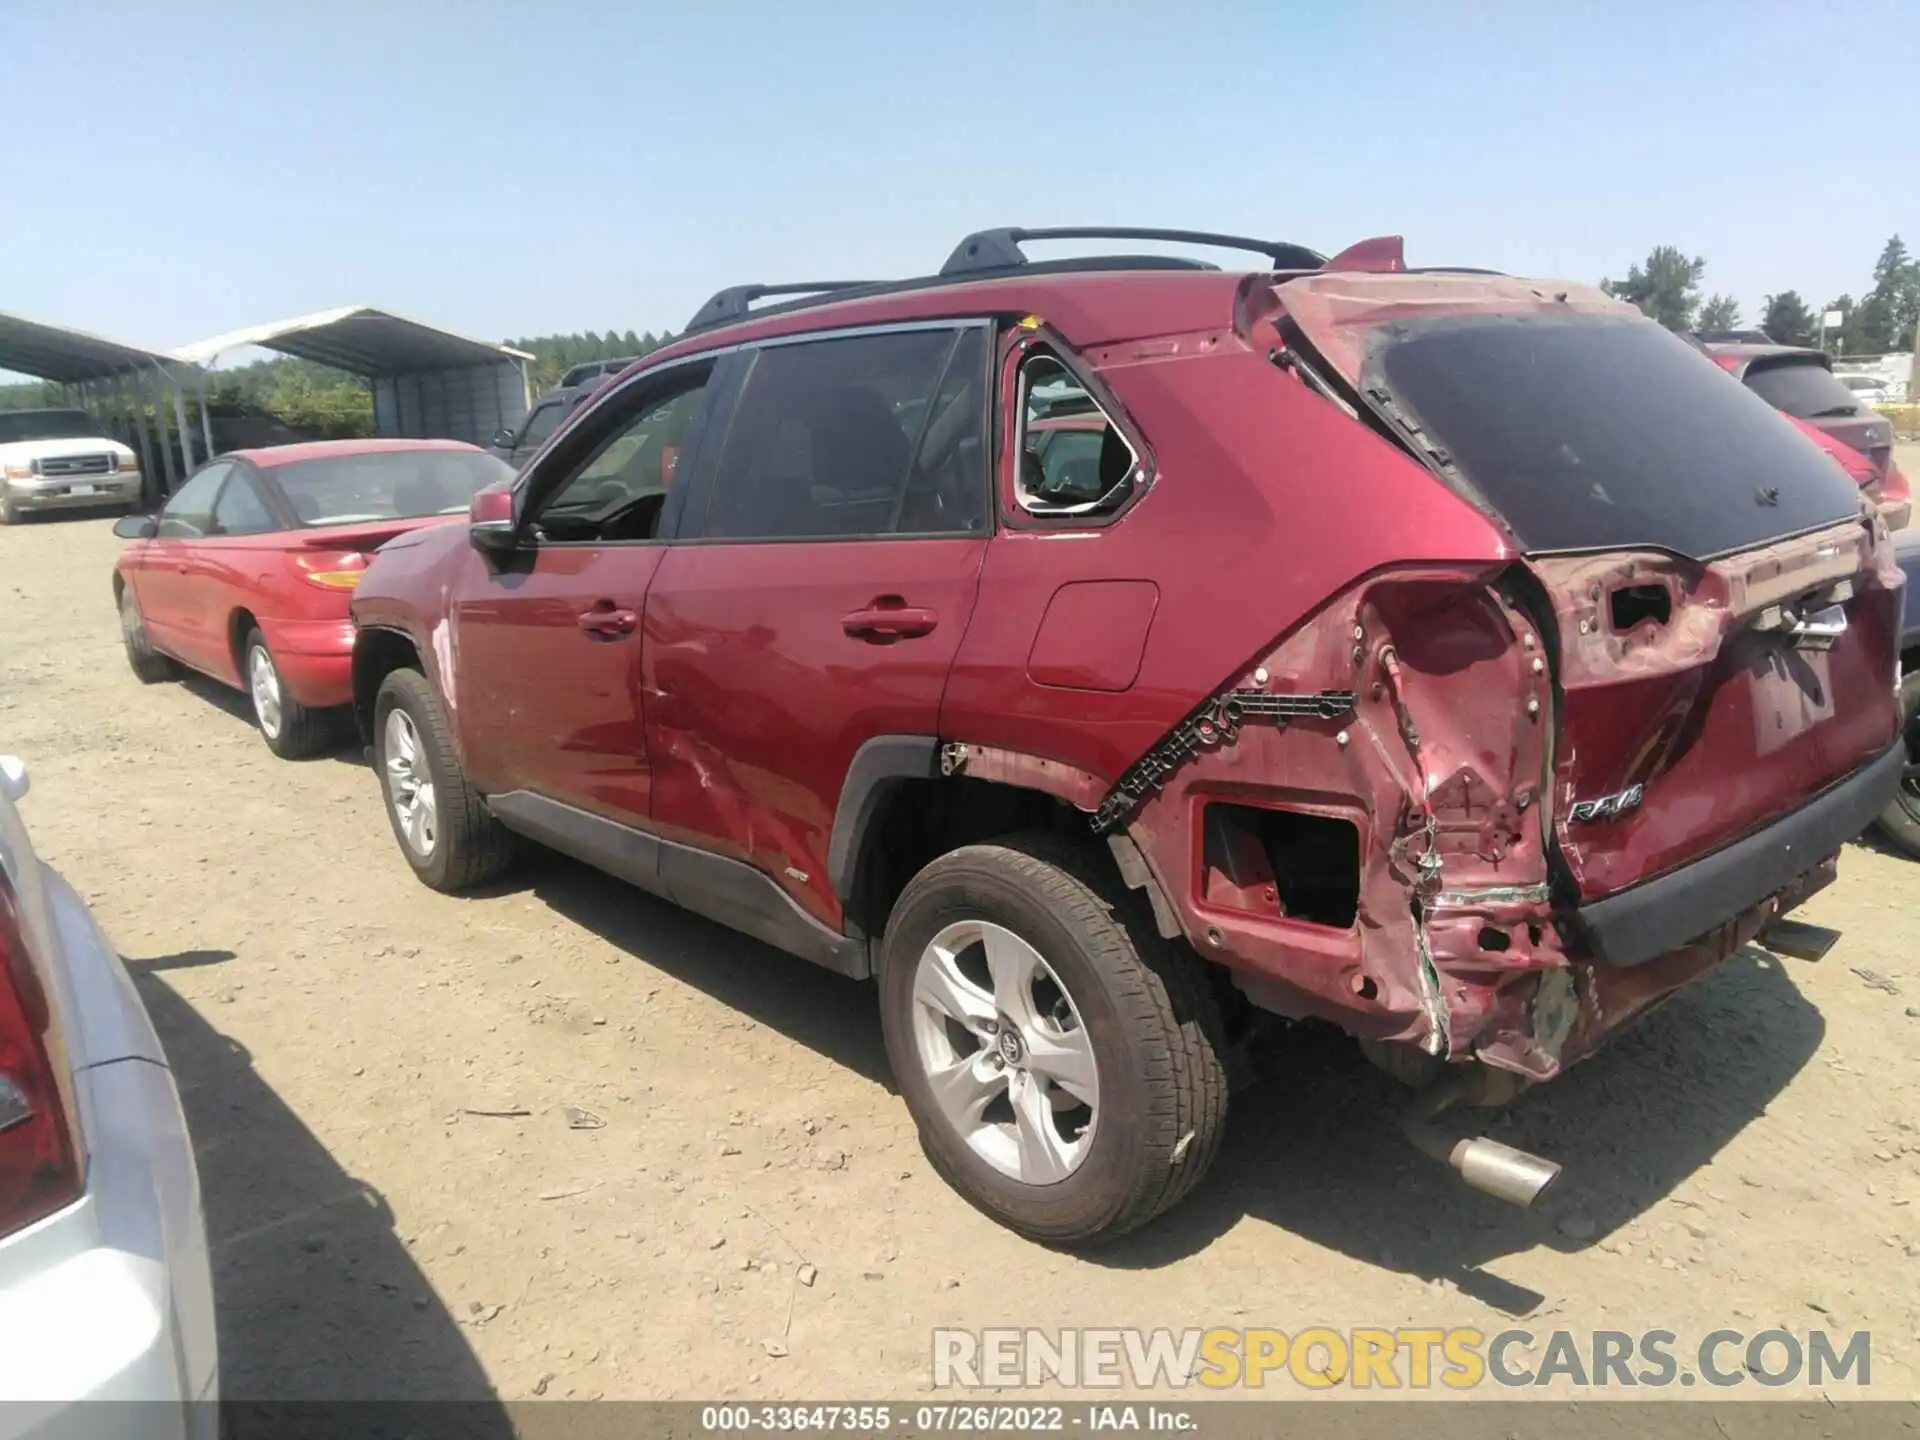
(1589, 432)
(387, 485)
(47, 425)
(1801, 386)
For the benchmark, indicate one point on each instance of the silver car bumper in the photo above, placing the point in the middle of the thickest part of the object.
(30, 497)
(111, 1299)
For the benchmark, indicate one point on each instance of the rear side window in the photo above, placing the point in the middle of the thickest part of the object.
(1073, 459)
(863, 435)
(1802, 387)
(1590, 432)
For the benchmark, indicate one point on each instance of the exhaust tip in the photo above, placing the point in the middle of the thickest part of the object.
(1503, 1172)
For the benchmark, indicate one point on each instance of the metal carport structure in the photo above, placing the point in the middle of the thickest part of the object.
(113, 380)
(427, 383)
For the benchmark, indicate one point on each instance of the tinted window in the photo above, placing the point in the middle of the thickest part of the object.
(387, 485)
(1802, 387)
(947, 490)
(241, 510)
(827, 435)
(1592, 432)
(47, 425)
(541, 424)
(618, 493)
(189, 514)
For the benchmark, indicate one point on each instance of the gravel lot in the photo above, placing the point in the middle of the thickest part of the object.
(380, 1081)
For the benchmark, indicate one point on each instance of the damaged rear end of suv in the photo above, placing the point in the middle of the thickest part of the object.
(1521, 801)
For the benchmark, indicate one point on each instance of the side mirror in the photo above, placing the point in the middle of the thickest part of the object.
(13, 778)
(490, 521)
(135, 527)
(502, 440)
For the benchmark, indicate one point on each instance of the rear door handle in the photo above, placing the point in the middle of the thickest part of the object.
(882, 623)
(605, 622)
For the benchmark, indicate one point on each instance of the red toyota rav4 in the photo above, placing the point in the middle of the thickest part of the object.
(1462, 659)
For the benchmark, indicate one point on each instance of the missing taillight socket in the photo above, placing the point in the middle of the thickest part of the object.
(1632, 605)
(1288, 862)
(1494, 940)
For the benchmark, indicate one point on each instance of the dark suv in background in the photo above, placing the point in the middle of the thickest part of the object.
(1108, 655)
(1801, 383)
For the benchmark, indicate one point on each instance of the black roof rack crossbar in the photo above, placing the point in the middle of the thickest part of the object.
(732, 303)
(995, 250)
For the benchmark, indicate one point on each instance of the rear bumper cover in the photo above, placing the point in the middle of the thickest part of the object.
(315, 659)
(1657, 916)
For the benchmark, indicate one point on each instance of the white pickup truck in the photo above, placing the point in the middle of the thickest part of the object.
(52, 459)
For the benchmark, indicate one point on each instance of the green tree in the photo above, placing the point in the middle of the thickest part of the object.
(1788, 321)
(1721, 312)
(1896, 289)
(1666, 288)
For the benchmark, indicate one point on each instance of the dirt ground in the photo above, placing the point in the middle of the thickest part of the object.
(566, 1140)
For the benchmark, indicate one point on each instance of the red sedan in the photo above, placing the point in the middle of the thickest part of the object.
(245, 573)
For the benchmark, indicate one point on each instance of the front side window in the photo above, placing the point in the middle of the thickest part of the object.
(540, 425)
(864, 435)
(241, 510)
(189, 514)
(1073, 459)
(619, 490)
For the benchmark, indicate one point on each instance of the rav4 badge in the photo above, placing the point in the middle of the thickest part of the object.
(1607, 807)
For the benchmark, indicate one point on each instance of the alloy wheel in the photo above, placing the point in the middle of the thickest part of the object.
(410, 784)
(1008, 1061)
(263, 682)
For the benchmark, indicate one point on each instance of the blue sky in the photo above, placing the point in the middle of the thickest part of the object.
(170, 171)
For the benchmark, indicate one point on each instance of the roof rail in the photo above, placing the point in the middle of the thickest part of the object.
(732, 303)
(996, 250)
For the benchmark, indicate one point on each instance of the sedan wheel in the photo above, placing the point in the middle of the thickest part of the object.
(410, 785)
(263, 683)
(1005, 1053)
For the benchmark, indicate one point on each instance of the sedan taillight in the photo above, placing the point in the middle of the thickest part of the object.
(332, 569)
(40, 1163)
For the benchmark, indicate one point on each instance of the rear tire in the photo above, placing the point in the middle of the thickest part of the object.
(291, 730)
(1900, 821)
(149, 666)
(1098, 982)
(443, 825)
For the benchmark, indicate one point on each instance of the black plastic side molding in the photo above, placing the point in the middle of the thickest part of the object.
(735, 894)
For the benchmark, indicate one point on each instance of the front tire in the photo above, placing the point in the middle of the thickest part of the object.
(443, 825)
(1900, 821)
(291, 730)
(1105, 1104)
(149, 666)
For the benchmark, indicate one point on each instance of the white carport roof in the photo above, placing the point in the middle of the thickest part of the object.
(360, 339)
(67, 357)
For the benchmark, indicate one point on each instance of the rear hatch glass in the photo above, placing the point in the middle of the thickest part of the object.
(1591, 432)
(1803, 387)
(1583, 426)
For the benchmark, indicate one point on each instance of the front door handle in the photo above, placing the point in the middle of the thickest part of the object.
(605, 622)
(888, 619)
